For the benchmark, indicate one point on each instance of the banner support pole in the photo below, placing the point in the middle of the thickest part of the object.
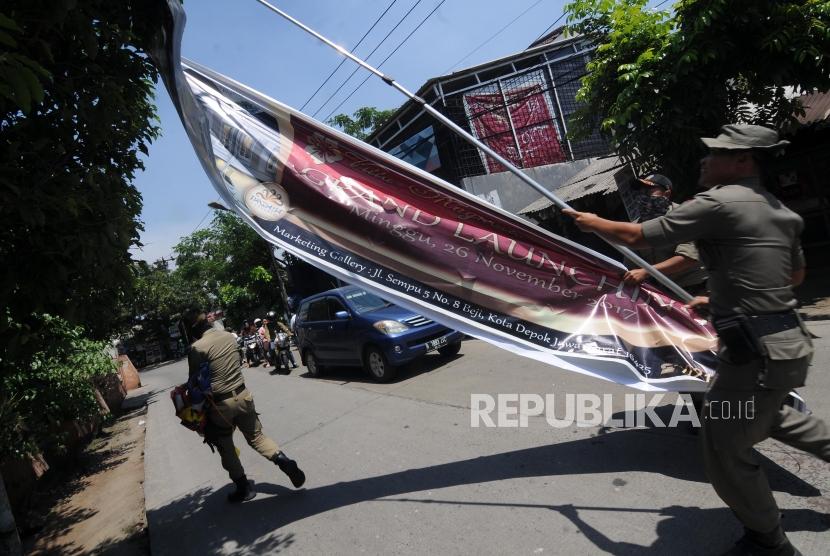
(659, 276)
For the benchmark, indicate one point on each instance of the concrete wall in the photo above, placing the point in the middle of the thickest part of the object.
(515, 194)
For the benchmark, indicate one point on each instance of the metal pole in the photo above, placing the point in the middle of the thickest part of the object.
(277, 269)
(659, 276)
(510, 121)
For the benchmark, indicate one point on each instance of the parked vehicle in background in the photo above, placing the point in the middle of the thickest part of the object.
(350, 326)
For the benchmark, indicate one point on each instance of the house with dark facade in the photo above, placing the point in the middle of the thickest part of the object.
(801, 178)
(518, 105)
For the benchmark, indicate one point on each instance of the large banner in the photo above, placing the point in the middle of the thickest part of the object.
(372, 220)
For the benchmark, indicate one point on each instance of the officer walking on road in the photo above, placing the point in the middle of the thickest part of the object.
(749, 243)
(231, 404)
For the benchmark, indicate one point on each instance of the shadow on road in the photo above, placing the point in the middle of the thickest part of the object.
(422, 365)
(684, 532)
(254, 525)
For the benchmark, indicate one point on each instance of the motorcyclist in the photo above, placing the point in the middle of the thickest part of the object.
(264, 341)
(276, 325)
(246, 333)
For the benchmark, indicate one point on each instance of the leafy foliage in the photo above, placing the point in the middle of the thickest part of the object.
(160, 294)
(362, 122)
(52, 387)
(76, 109)
(659, 81)
(230, 265)
(225, 265)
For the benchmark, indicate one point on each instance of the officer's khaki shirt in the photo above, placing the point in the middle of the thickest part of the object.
(748, 241)
(219, 349)
(658, 254)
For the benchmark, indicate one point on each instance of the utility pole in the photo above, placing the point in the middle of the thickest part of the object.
(165, 261)
(278, 271)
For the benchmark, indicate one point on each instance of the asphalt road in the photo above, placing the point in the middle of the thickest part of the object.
(398, 469)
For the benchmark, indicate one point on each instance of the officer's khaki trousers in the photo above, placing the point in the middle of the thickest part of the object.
(239, 412)
(732, 465)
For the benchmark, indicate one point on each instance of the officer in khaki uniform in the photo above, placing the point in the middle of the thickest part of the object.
(231, 404)
(749, 243)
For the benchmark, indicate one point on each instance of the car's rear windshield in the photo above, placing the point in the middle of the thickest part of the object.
(364, 302)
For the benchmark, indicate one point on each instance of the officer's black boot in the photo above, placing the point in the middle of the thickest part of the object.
(773, 543)
(289, 467)
(244, 491)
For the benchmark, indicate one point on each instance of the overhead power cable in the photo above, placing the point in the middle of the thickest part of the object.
(385, 59)
(343, 61)
(659, 276)
(551, 26)
(343, 84)
(199, 225)
(493, 36)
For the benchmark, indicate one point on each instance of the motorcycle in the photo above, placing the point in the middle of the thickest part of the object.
(253, 353)
(282, 345)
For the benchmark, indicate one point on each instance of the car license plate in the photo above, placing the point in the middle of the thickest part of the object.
(436, 343)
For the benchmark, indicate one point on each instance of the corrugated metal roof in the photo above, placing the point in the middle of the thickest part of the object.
(601, 176)
(816, 107)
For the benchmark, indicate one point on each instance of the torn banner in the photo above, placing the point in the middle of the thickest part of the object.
(373, 220)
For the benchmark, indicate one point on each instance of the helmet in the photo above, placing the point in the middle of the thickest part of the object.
(271, 315)
(257, 322)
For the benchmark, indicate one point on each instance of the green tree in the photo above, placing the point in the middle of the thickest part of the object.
(52, 387)
(162, 293)
(231, 266)
(76, 111)
(660, 80)
(362, 122)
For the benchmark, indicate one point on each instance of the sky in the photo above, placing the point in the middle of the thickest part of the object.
(245, 41)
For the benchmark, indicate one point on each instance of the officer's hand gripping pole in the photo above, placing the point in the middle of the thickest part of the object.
(659, 276)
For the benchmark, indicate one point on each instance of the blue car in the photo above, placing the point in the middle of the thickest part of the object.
(350, 326)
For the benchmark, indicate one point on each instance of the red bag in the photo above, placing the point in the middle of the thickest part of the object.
(192, 417)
